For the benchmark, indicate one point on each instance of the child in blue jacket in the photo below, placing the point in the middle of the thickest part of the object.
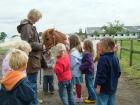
(108, 72)
(75, 62)
(16, 89)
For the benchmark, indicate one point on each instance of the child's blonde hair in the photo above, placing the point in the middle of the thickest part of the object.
(88, 46)
(107, 43)
(18, 44)
(17, 59)
(24, 46)
(60, 47)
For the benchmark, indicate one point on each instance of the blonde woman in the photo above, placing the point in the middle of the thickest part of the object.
(29, 33)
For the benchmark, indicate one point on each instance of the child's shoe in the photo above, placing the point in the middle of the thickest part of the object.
(46, 92)
(89, 101)
(79, 100)
(52, 92)
(40, 101)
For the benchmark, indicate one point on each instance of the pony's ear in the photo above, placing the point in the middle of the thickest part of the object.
(51, 30)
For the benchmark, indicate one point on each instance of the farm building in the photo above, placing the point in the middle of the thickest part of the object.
(129, 29)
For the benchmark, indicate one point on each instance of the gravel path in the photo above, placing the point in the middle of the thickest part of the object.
(127, 94)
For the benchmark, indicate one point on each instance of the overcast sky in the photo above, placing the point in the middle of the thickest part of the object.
(69, 15)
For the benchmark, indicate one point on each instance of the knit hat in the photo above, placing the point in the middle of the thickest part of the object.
(60, 47)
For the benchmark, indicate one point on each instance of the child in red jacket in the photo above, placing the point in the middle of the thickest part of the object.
(63, 73)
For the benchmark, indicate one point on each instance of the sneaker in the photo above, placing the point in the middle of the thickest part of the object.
(40, 101)
(46, 93)
(79, 100)
(89, 101)
(52, 92)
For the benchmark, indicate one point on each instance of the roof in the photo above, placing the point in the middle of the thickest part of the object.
(91, 30)
(134, 29)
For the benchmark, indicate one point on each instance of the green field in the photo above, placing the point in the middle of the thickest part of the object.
(133, 72)
(126, 44)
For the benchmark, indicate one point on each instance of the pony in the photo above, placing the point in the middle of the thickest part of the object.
(51, 37)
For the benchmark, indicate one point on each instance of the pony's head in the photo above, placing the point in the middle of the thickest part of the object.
(51, 37)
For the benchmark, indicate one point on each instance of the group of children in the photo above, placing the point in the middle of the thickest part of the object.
(69, 67)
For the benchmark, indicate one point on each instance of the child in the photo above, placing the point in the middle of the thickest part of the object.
(48, 74)
(75, 62)
(16, 89)
(98, 50)
(108, 72)
(63, 73)
(87, 68)
(21, 45)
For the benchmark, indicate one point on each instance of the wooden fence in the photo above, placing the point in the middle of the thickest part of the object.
(130, 50)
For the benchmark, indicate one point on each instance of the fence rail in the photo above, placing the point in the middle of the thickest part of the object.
(130, 50)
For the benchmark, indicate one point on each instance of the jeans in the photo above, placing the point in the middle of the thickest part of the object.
(104, 99)
(33, 79)
(48, 83)
(66, 93)
(89, 79)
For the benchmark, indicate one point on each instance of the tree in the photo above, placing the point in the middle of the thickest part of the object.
(80, 33)
(96, 33)
(113, 28)
(3, 35)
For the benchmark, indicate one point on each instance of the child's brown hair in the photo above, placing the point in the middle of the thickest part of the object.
(98, 51)
(108, 43)
(88, 46)
(75, 42)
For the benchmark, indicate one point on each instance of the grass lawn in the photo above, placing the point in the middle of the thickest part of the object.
(133, 72)
(136, 46)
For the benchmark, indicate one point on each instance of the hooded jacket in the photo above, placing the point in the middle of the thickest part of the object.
(15, 89)
(75, 62)
(29, 33)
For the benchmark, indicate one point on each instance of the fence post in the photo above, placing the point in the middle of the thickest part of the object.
(131, 52)
(120, 49)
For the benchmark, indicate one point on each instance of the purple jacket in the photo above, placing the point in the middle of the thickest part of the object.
(5, 66)
(87, 65)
